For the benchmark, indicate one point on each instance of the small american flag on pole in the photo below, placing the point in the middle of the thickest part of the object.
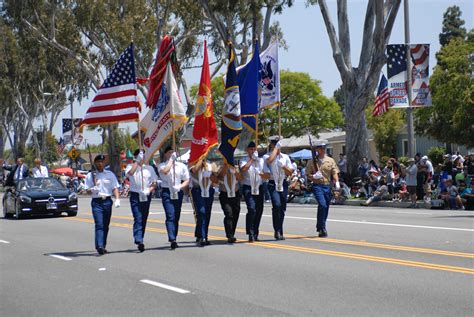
(117, 100)
(60, 147)
(382, 101)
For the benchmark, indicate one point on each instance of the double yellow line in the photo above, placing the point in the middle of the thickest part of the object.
(279, 246)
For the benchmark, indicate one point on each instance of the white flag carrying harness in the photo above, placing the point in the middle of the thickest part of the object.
(255, 178)
(229, 183)
(278, 174)
(205, 180)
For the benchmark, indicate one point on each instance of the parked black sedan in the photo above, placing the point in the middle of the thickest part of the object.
(39, 196)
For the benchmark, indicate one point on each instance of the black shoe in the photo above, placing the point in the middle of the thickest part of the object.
(256, 238)
(101, 251)
(234, 239)
(323, 233)
(282, 237)
(251, 238)
(200, 242)
(141, 247)
(277, 235)
(207, 242)
(105, 251)
(174, 245)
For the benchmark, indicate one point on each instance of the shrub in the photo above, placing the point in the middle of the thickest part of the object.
(436, 154)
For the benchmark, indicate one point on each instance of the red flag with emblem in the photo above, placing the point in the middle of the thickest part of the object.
(205, 130)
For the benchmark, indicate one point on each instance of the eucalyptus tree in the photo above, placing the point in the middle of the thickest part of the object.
(92, 34)
(359, 81)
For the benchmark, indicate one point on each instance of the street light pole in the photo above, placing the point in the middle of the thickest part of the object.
(411, 137)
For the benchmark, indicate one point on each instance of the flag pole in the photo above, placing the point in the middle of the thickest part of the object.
(256, 131)
(279, 120)
(140, 148)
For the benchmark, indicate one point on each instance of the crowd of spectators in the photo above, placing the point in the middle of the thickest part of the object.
(449, 183)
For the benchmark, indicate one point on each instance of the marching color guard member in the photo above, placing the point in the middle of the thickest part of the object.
(251, 169)
(203, 196)
(327, 172)
(279, 166)
(229, 197)
(102, 185)
(142, 184)
(174, 178)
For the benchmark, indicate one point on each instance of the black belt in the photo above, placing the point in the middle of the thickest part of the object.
(102, 198)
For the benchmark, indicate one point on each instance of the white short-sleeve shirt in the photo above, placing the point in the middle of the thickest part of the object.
(182, 174)
(106, 182)
(273, 167)
(246, 176)
(42, 171)
(136, 183)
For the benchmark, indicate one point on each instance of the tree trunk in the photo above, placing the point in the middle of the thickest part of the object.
(2, 141)
(357, 145)
(114, 155)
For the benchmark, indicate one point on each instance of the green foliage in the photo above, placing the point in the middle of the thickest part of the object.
(304, 108)
(450, 118)
(452, 26)
(436, 154)
(385, 129)
(403, 160)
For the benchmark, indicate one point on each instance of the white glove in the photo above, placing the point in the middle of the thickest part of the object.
(206, 173)
(177, 188)
(173, 156)
(232, 170)
(338, 185)
(318, 175)
(255, 156)
(117, 203)
(141, 156)
(278, 145)
(95, 191)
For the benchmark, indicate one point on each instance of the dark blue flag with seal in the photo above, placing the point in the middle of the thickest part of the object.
(231, 122)
(248, 77)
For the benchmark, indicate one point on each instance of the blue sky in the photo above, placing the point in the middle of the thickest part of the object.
(309, 49)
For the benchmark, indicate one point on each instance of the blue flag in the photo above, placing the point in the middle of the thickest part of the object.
(231, 122)
(248, 78)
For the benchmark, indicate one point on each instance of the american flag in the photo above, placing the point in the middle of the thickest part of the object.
(60, 147)
(396, 59)
(116, 100)
(382, 101)
(67, 125)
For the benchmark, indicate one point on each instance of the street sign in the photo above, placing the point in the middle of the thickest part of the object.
(74, 154)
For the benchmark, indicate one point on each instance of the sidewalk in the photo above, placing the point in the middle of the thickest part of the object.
(356, 202)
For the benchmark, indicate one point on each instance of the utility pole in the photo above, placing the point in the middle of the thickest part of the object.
(411, 137)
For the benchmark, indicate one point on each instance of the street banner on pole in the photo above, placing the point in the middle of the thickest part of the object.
(397, 75)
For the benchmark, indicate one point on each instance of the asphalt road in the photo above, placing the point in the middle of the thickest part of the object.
(376, 262)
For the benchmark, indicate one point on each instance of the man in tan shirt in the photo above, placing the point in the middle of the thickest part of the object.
(321, 184)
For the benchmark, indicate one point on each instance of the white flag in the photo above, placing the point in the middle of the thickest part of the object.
(270, 77)
(158, 122)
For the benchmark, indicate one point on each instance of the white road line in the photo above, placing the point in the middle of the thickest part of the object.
(60, 257)
(371, 223)
(3, 241)
(381, 223)
(168, 287)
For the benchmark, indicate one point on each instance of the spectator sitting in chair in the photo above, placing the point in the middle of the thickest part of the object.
(467, 195)
(380, 193)
(451, 195)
